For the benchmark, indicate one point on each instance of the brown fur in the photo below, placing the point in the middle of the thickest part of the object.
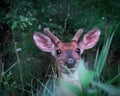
(67, 45)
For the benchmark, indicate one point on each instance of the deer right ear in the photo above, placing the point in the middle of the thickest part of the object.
(90, 39)
(43, 42)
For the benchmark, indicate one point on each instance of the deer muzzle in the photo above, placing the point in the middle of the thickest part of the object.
(70, 63)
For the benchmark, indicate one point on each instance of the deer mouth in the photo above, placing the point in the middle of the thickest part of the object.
(68, 69)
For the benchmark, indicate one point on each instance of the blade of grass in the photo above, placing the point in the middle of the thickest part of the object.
(71, 88)
(45, 87)
(85, 76)
(103, 55)
(114, 79)
(111, 90)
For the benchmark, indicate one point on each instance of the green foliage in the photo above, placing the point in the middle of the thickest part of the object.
(64, 18)
(86, 76)
(22, 22)
(109, 89)
(72, 88)
(103, 56)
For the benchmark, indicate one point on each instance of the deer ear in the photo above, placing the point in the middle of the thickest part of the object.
(43, 42)
(90, 39)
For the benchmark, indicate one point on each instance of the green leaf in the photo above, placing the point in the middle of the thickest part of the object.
(85, 76)
(22, 27)
(114, 79)
(29, 23)
(24, 24)
(111, 90)
(71, 88)
(102, 57)
(14, 25)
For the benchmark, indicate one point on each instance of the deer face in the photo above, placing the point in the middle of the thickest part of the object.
(67, 54)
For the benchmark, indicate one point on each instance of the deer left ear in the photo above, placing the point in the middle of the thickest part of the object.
(43, 42)
(90, 39)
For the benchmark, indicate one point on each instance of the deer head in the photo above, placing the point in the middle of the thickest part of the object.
(67, 54)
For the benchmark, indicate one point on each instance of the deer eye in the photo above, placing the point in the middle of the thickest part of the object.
(58, 52)
(78, 50)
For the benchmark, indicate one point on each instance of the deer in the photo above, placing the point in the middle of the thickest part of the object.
(67, 54)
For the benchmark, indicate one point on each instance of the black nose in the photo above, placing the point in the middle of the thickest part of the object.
(70, 63)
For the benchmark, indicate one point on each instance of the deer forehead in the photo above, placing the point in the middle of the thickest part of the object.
(67, 45)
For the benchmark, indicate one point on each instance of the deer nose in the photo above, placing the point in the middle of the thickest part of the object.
(70, 63)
